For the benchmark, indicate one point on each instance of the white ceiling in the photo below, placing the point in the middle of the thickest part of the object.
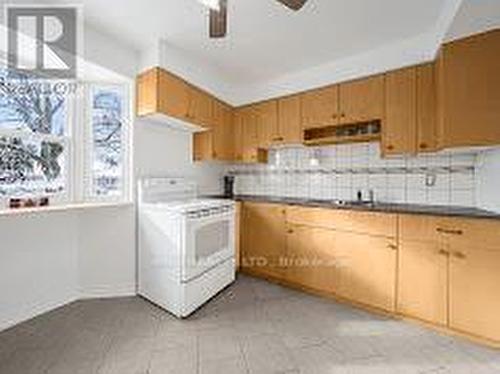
(474, 16)
(265, 39)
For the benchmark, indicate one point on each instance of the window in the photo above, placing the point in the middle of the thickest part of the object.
(46, 127)
(107, 172)
(33, 137)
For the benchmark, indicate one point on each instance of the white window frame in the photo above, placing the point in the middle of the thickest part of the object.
(77, 140)
(87, 173)
(67, 139)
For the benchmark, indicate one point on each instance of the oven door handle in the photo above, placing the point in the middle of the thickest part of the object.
(204, 220)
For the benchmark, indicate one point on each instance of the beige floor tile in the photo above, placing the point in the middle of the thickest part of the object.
(252, 327)
(267, 354)
(217, 345)
(225, 366)
(178, 361)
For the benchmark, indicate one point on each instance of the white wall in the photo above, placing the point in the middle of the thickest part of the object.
(49, 259)
(206, 76)
(160, 151)
(488, 179)
(106, 252)
(108, 53)
(38, 264)
(473, 17)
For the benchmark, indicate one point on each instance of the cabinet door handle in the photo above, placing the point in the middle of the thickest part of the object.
(290, 231)
(392, 246)
(342, 115)
(442, 252)
(423, 146)
(449, 232)
(390, 147)
(459, 255)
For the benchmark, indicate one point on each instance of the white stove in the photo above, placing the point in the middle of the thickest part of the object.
(195, 207)
(186, 244)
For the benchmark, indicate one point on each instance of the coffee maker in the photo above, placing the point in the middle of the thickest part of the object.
(228, 186)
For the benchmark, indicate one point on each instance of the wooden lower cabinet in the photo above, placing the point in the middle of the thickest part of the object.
(474, 304)
(444, 271)
(423, 280)
(263, 233)
(368, 269)
(313, 258)
(449, 273)
(358, 267)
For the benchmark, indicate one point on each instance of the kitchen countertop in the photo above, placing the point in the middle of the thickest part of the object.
(436, 210)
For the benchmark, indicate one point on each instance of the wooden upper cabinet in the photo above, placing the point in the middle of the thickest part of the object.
(266, 120)
(223, 132)
(247, 137)
(362, 100)
(400, 126)
(238, 123)
(203, 148)
(147, 92)
(320, 107)
(217, 143)
(469, 91)
(249, 129)
(289, 120)
(278, 121)
(158, 91)
(427, 108)
(200, 108)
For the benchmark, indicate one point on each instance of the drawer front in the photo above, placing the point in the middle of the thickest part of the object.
(453, 230)
(377, 224)
(473, 232)
(419, 228)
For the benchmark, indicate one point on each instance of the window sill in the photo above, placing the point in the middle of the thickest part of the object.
(62, 208)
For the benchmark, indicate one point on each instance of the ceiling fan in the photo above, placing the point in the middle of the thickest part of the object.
(218, 14)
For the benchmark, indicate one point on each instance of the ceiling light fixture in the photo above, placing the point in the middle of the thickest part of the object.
(212, 4)
(218, 14)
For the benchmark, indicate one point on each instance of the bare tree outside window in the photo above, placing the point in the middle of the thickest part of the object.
(39, 141)
(107, 135)
(32, 124)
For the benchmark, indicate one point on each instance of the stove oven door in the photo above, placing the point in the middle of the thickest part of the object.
(209, 240)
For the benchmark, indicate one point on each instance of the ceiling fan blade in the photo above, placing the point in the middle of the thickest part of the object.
(293, 4)
(218, 20)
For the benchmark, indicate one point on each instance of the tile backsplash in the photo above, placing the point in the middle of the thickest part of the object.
(340, 171)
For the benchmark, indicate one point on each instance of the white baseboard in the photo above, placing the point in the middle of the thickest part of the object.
(33, 311)
(108, 292)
